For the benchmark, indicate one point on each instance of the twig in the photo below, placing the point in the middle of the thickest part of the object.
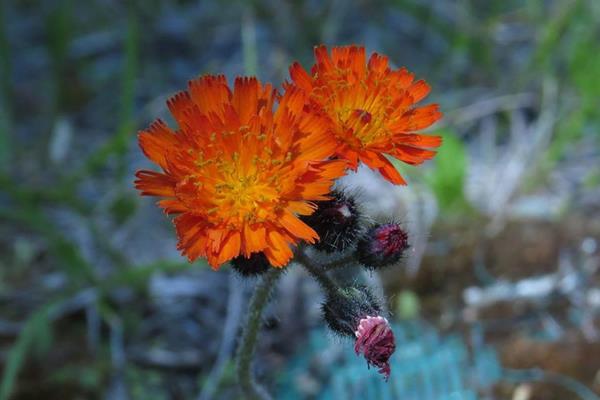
(491, 106)
(526, 289)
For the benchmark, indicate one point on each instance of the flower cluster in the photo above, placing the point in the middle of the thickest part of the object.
(239, 173)
(248, 171)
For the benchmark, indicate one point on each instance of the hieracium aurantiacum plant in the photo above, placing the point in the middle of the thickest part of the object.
(249, 173)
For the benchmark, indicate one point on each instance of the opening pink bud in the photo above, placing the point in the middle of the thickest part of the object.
(375, 340)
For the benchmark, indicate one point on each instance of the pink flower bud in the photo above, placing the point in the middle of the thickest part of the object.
(382, 245)
(375, 340)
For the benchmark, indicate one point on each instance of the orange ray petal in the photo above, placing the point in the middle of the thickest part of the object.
(298, 228)
(300, 76)
(152, 183)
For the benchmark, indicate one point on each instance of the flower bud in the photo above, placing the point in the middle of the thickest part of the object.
(337, 221)
(382, 245)
(375, 339)
(254, 265)
(355, 312)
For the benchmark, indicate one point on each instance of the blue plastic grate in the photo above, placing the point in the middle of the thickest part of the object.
(425, 366)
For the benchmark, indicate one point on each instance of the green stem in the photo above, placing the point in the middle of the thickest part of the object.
(318, 272)
(339, 263)
(250, 389)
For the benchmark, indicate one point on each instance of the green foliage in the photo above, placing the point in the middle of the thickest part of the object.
(447, 177)
(59, 26)
(36, 332)
(568, 49)
(118, 143)
(571, 36)
(123, 207)
(407, 305)
(5, 88)
(553, 31)
(592, 179)
(88, 377)
(145, 384)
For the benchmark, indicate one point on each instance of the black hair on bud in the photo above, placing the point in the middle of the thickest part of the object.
(382, 245)
(344, 309)
(337, 221)
(254, 265)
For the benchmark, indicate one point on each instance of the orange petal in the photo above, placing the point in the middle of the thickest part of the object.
(157, 141)
(230, 247)
(172, 206)
(179, 105)
(324, 63)
(300, 77)
(412, 155)
(245, 98)
(152, 183)
(417, 140)
(419, 90)
(278, 253)
(389, 172)
(298, 228)
(301, 207)
(384, 166)
(378, 64)
(417, 119)
(254, 239)
(210, 93)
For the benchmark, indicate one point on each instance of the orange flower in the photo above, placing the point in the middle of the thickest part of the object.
(237, 173)
(371, 108)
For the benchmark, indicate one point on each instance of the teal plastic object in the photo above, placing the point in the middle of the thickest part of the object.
(425, 366)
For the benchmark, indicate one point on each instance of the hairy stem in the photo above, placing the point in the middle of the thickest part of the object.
(340, 262)
(318, 272)
(249, 388)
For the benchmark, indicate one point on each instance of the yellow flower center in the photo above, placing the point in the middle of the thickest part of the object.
(245, 192)
(364, 122)
(361, 114)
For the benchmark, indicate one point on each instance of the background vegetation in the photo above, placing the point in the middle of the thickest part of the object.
(95, 302)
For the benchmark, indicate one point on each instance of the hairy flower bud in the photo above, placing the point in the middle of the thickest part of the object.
(337, 221)
(355, 312)
(382, 245)
(254, 265)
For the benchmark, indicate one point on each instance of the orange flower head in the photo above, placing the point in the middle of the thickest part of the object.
(237, 173)
(370, 107)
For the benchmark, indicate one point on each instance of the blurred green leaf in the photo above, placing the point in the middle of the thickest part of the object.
(592, 179)
(85, 376)
(447, 177)
(36, 329)
(5, 88)
(67, 252)
(407, 305)
(123, 207)
(118, 143)
(552, 32)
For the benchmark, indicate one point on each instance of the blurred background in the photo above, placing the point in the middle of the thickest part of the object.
(499, 297)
